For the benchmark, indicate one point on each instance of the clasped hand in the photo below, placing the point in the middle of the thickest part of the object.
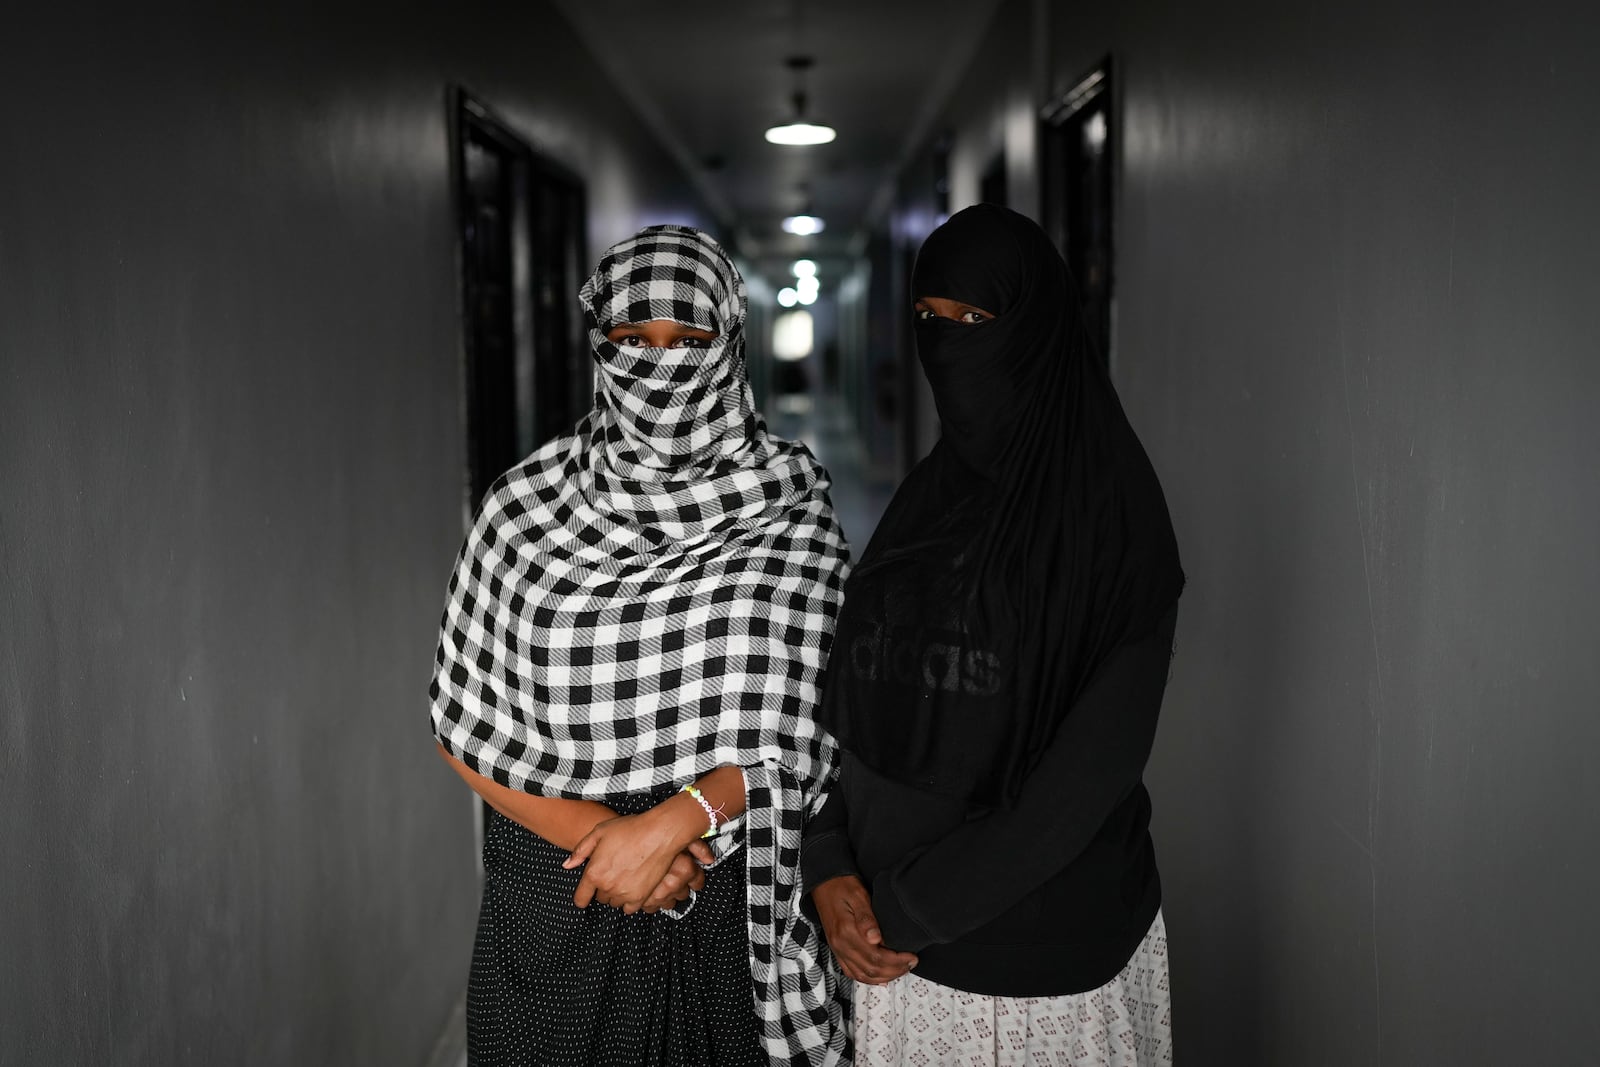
(845, 908)
(637, 863)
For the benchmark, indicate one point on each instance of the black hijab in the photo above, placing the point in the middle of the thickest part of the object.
(1029, 544)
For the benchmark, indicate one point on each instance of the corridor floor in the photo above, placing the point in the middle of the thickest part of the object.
(823, 424)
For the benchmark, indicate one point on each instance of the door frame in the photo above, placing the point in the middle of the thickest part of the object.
(1096, 88)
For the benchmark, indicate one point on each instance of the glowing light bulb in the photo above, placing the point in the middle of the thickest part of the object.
(802, 225)
(801, 133)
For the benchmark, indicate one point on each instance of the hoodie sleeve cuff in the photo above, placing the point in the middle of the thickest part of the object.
(826, 855)
(900, 931)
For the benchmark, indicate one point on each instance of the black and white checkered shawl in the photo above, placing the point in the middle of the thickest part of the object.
(653, 597)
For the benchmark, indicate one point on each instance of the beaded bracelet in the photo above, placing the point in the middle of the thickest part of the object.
(711, 813)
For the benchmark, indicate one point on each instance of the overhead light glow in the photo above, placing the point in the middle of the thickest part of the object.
(801, 133)
(1094, 131)
(804, 268)
(802, 225)
(792, 335)
(807, 285)
(788, 297)
(808, 297)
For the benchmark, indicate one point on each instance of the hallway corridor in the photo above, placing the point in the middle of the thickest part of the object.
(283, 291)
(823, 425)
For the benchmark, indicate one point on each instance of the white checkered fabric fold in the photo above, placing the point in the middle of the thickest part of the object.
(653, 596)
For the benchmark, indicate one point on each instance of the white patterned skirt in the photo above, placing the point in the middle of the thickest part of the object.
(1127, 1022)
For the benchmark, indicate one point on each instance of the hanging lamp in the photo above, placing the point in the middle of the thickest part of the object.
(805, 222)
(799, 130)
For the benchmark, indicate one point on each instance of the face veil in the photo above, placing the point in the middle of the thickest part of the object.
(670, 413)
(1031, 542)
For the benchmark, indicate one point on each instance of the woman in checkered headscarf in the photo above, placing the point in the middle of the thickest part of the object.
(627, 668)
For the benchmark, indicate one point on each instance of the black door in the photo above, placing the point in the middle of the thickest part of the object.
(1077, 142)
(522, 226)
(563, 377)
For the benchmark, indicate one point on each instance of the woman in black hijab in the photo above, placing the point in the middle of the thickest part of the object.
(995, 680)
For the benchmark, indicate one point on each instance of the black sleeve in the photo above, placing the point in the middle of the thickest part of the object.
(1094, 762)
(825, 848)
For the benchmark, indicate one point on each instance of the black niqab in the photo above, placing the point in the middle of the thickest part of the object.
(1031, 542)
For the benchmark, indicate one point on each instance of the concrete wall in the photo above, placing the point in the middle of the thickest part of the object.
(1357, 270)
(231, 475)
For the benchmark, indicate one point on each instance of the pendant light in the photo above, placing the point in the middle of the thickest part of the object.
(804, 225)
(799, 130)
(805, 222)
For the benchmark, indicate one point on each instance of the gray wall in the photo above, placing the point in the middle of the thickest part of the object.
(1357, 272)
(231, 477)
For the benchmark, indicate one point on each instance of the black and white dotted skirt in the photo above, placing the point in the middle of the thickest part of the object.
(553, 985)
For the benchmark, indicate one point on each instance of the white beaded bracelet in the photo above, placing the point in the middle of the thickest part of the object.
(711, 813)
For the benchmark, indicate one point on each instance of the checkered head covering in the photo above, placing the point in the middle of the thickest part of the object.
(670, 408)
(653, 596)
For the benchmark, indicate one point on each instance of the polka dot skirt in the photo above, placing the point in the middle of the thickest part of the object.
(556, 986)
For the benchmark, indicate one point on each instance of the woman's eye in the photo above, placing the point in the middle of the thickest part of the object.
(972, 317)
(633, 340)
(689, 342)
(923, 313)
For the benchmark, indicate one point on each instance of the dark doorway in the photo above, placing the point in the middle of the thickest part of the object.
(910, 366)
(521, 229)
(992, 186)
(1078, 146)
(563, 378)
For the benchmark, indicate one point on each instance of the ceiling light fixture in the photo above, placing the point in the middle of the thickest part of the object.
(804, 268)
(803, 225)
(799, 131)
(793, 335)
(788, 297)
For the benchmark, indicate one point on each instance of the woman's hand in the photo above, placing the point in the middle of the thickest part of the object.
(685, 875)
(852, 929)
(626, 859)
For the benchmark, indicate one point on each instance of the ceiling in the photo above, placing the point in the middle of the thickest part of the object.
(709, 77)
